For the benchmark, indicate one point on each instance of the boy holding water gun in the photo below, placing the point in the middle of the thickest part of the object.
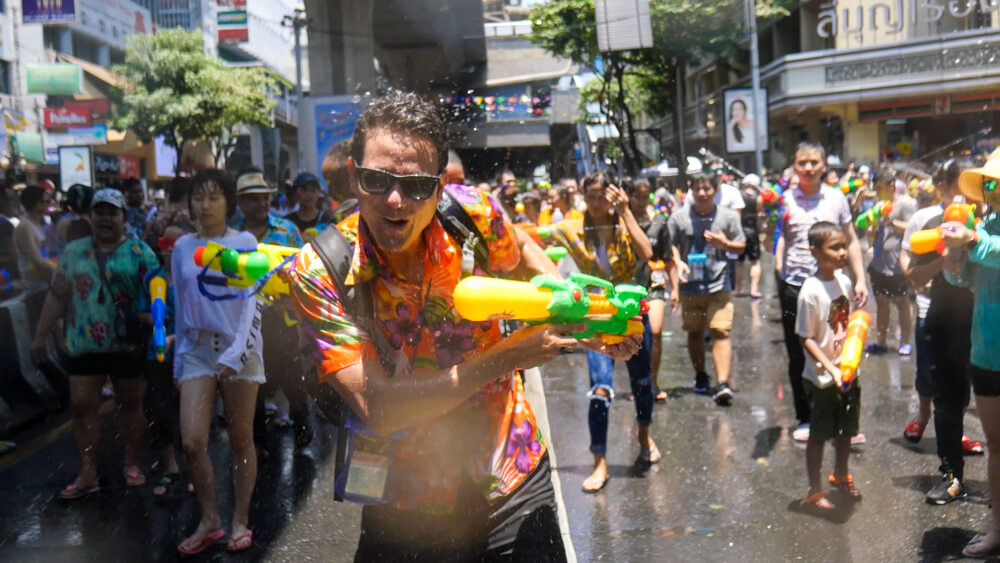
(824, 307)
(703, 235)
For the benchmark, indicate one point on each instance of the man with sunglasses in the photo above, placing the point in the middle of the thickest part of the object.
(453, 464)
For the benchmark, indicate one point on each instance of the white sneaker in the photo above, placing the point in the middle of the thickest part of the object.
(801, 432)
(858, 439)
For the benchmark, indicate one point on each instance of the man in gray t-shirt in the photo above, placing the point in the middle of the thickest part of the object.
(702, 235)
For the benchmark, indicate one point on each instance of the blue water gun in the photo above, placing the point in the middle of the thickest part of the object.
(158, 306)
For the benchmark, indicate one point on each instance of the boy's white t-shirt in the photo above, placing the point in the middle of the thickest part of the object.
(824, 309)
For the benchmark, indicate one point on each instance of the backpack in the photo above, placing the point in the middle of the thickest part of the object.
(336, 254)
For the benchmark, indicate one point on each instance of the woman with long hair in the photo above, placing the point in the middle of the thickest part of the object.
(217, 350)
(610, 244)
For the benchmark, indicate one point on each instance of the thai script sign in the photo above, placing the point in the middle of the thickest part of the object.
(46, 11)
(65, 117)
(891, 16)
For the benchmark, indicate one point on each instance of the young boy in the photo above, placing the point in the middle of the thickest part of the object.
(704, 235)
(824, 307)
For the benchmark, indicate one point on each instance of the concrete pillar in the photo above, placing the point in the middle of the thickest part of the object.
(256, 147)
(104, 56)
(342, 55)
(66, 41)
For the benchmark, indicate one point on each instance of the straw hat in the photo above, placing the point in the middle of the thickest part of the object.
(970, 182)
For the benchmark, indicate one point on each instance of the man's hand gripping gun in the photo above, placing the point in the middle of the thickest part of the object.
(613, 314)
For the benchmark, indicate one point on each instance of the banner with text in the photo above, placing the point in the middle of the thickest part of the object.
(232, 21)
(46, 11)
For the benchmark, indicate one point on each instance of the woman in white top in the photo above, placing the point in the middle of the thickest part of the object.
(218, 349)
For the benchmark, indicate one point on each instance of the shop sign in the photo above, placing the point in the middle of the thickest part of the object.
(893, 16)
(128, 167)
(44, 11)
(30, 146)
(232, 21)
(105, 163)
(98, 109)
(56, 118)
(166, 157)
(112, 21)
(93, 135)
(64, 79)
(76, 166)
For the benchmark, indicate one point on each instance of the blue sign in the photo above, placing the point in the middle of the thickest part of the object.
(45, 11)
(334, 125)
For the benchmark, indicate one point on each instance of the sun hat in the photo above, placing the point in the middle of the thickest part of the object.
(252, 183)
(970, 182)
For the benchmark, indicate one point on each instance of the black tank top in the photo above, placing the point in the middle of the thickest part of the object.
(749, 213)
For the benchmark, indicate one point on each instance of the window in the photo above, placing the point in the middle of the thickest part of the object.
(5, 78)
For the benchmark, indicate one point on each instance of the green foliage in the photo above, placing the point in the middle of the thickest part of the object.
(171, 87)
(643, 81)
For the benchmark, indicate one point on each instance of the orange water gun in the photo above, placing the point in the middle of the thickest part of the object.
(929, 240)
(851, 186)
(854, 346)
(536, 232)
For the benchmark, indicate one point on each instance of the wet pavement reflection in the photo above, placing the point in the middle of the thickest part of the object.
(727, 488)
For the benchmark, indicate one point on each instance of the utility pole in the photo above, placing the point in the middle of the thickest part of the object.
(760, 112)
(298, 21)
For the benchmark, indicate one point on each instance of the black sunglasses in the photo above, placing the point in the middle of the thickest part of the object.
(417, 187)
(989, 185)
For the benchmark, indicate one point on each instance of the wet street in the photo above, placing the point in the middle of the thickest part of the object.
(727, 489)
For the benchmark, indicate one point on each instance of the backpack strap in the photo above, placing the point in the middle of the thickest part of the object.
(459, 225)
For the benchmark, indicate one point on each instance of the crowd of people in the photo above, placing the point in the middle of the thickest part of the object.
(441, 443)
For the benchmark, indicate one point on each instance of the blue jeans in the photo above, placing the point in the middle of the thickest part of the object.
(924, 382)
(602, 370)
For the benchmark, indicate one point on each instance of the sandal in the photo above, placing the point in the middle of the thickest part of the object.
(170, 485)
(818, 504)
(593, 484)
(74, 491)
(194, 546)
(661, 396)
(846, 486)
(976, 550)
(236, 543)
(135, 478)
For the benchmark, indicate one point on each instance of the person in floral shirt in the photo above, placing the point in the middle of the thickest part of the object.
(452, 463)
(98, 291)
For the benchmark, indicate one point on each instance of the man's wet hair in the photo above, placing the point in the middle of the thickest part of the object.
(698, 177)
(807, 146)
(948, 173)
(31, 195)
(220, 178)
(820, 232)
(402, 112)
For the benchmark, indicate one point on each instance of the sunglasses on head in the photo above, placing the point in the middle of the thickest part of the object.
(989, 185)
(417, 187)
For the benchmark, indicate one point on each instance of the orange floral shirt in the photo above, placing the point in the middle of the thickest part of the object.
(492, 437)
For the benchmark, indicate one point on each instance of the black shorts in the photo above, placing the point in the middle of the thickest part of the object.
(985, 383)
(657, 293)
(115, 364)
(752, 251)
(889, 286)
(523, 527)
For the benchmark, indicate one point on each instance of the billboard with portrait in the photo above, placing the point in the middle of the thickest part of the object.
(739, 115)
(326, 122)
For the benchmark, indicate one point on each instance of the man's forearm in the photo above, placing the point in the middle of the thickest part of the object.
(854, 256)
(534, 261)
(640, 242)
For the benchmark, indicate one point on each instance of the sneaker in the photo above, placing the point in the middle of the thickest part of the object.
(949, 488)
(914, 431)
(701, 383)
(801, 432)
(846, 486)
(858, 439)
(723, 395)
(971, 447)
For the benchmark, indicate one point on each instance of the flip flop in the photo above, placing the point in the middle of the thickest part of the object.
(976, 550)
(661, 396)
(818, 504)
(74, 491)
(135, 478)
(593, 488)
(200, 544)
(235, 543)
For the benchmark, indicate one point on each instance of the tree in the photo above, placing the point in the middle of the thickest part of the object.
(683, 30)
(172, 88)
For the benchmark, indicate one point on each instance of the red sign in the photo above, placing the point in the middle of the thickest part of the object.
(56, 118)
(128, 166)
(97, 108)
